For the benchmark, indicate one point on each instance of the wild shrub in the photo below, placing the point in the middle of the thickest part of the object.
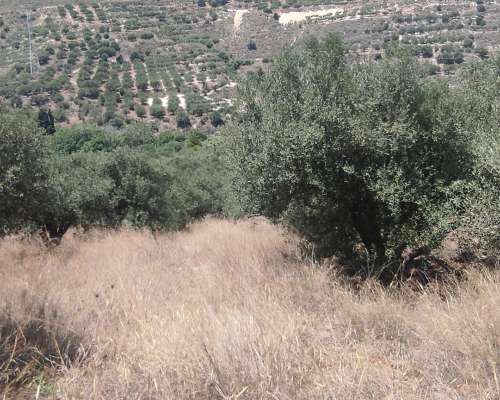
(349, 154)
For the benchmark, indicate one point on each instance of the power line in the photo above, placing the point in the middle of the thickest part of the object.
(28, 22)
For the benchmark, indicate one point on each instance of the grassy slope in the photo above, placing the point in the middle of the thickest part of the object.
(225, 311)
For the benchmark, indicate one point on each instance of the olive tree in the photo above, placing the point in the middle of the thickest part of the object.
(107, 189)
(22, 173)
(479, 116)
(78, 194)
(349, 154)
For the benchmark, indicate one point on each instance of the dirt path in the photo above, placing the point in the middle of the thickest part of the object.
(238, 19)
(164, 101)
(74, 77)
(182, 100)
(300, 16)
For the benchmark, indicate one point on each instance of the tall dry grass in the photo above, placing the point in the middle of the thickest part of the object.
(227, 311)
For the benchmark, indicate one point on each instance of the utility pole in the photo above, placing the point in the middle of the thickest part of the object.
(28, 21)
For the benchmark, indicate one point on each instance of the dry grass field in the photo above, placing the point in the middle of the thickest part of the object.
(227, 310)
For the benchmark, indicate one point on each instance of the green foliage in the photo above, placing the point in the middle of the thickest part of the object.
(147, 35)
(134, 136)
(346, 154)
(468, 42)
(182, 119)
(217, 3)
(78, 193)
(141, 77)
(131, 177)
(22, 172)
(157, 109)
(60, 115)
(46, 121)
(450, 55)
(39, 100)
(81, 138)
(480, 118)
(200, 180)
(216, 119)
(140, 110)
(107, 189)
(140, 191)
(173, 103)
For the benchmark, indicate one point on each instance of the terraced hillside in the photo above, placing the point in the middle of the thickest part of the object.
(177, 62)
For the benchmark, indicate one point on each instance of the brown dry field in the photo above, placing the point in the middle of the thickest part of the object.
(227, 310)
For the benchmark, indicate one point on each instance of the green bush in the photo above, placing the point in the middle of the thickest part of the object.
(157, 109)
(140, 110)
(147, 35)
(200, 180)
(96, 178)
(182, 119)
(80, 138)
(216, 119)
(468, 42)
(480, 117)
(22, 171)
(78, 194)
(60, 115)
(173, 103)
(196, 104)
(482, 52)
(348, 154)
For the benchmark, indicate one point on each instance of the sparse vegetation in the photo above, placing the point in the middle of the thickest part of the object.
(164, 46)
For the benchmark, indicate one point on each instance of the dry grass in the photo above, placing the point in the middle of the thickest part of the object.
(226, 311)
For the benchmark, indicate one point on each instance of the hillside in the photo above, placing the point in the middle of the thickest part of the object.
(177, 63)
(226, 310)
(289, 200)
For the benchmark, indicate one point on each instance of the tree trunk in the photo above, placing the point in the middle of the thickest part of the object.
(365, 221)
(55, 233)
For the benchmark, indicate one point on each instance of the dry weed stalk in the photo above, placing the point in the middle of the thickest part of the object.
(226, 310)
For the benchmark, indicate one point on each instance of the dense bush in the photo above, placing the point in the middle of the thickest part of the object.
(350, 154)
(22, 173)
(147, 35)
(85, 176)
(480, 118)
(200, 179)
